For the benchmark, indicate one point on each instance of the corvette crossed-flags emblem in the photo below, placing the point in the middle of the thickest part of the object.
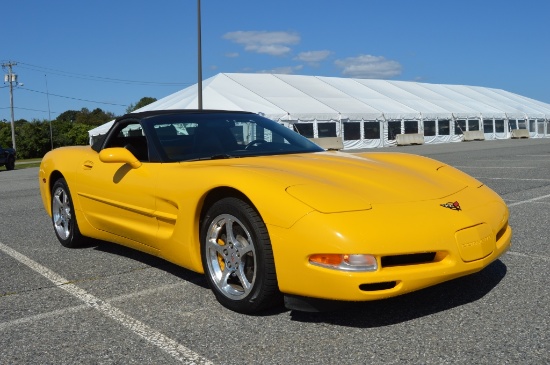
(454, 205)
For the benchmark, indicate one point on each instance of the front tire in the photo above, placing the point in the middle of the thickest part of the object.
(63, 216)
(237, 257)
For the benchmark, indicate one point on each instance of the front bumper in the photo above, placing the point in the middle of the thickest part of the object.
(443, 244)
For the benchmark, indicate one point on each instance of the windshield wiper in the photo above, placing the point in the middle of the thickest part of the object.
(213, 157)
(219, 157)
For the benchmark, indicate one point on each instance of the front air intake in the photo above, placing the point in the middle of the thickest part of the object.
(378, 286)
(409, 259)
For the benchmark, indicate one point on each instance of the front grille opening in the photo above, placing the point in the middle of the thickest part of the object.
(378, 286)
(409, 259)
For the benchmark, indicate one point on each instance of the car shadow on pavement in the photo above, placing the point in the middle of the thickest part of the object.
(413, 305)
(149, 260)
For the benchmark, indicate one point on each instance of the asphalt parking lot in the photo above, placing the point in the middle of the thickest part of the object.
(105, 304)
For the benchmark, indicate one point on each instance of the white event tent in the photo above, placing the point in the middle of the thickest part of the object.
(366, 112)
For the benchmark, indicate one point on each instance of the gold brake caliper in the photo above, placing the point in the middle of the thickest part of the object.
(221, 260)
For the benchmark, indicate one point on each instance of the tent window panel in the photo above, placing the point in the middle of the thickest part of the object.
(443, 127)
(513, 124)
(488, 126)
(326, 129)
(305, 129)
(540, 126)
(521, 124)
(372, 130)
(411, 127)
(473, 125)
(461, 126)
(532, 125)
(499, 126)
(352, 131)
(429, 127)
(394, 128)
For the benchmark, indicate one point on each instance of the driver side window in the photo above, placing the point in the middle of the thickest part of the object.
(131, 137)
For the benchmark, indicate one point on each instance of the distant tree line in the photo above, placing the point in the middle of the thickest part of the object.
(68, 129)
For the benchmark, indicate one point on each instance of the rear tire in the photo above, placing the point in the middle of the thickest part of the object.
(237, 257)
(10, 163)
(64, 217)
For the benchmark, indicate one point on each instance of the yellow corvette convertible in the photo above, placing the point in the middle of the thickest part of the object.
(267, 215)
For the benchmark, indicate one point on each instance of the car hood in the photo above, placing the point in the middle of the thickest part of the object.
(331, 182)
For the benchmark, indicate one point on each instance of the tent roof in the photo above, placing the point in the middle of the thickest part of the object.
(297, 97)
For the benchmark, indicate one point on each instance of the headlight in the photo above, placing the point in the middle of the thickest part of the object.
(345, 262)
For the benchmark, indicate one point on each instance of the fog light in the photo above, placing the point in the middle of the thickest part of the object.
(346, 262)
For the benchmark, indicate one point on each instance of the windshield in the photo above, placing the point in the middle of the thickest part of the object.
(185, 137)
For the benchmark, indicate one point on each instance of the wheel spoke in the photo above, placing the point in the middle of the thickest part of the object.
(213, 245)
(223, 282)
(229, 231)
(247, 286)
(57, 201)
(57, 218)
(249, 248)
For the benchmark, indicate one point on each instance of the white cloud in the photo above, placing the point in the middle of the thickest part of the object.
(232, 54)
(313, 56)
(368, 66)
(271, 43)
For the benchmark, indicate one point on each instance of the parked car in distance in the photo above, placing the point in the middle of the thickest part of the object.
(7, 157)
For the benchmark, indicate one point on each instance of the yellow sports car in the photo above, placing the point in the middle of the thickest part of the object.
(266, 214)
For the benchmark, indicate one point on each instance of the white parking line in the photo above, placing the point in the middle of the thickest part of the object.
(529, 200)
(509, 178)
(77, 308)
(176, 350)
(513, 253)
(495, 167)
(41, 316)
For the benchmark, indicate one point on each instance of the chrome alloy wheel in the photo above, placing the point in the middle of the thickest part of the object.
(230, 256)
(61, 211)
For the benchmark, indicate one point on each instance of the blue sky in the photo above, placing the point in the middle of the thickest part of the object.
(110, 53)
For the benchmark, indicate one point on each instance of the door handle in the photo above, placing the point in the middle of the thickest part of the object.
(88, 165)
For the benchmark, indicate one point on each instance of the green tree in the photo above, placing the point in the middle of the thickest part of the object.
(68, 116)
(85, 116)
(5, 134)
(78, 134)
(33, 139)
(69, 128)
(146, 100)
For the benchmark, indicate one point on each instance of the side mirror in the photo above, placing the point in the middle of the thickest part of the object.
(119, 155)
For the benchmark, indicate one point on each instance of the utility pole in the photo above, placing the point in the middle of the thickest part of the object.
(11, 78)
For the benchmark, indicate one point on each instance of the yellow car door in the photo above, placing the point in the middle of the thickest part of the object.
(116, 196)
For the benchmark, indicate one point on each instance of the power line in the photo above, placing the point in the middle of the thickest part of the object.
(68, 97)
(29, 109)
(97, 78)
